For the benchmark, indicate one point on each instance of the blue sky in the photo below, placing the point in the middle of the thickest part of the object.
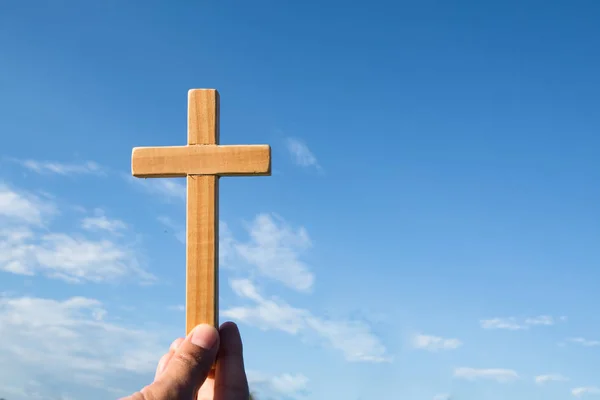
(429, 231)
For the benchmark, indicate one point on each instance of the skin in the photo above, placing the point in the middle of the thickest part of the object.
(186, 373)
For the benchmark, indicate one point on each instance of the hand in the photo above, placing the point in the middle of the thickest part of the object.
(184, 373)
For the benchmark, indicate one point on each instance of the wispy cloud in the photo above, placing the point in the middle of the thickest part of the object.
(59, 168)
(99, 222)
(442, 396)
(274, 249)
(540, 320)
(20, 206)
(434, 343)
(501, 323)
(301, 154)
(168, 189)
(78, 343)
(584, 342)
(514, 324)
(542, 379)
(26, 249)
(72, 258)
(496, 374)
(292, 386)
(353, 338)
(585, 390)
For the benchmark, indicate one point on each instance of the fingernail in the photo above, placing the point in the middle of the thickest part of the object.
(204, 336)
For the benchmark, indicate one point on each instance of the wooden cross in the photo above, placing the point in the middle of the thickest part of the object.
(202, 162)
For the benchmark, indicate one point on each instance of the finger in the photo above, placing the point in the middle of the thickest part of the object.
(188, 367)
(231, 382)
(164, 361)
(176, 343)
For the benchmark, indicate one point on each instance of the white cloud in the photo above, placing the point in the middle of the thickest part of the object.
(26, 249)
(52, 167)
(289, 385)
(76, 258)
(267, 314)
(540, 320)
(353, 338)
(586, 390)
(19, 206)
(72, 258)
(434, 343)
(542, 379)
(65, 341)
(167, 188)
(274, 250)
(495, 374)
(514, 324)
(441, 396)
(301, 154)
(501, 323)
(584, 342)
(100, 222)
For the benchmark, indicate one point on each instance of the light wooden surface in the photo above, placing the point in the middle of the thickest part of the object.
(202, 251)
(180, 161)
(202, 161)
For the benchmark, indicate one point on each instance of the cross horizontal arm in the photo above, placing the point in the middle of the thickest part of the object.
(180, 161)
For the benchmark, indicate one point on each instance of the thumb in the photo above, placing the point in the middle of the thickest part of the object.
(190, 365)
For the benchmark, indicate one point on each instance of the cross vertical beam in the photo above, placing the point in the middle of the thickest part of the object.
(202, 222)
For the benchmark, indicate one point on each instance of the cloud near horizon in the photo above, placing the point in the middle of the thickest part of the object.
(499, 375)
(434, 343)
(291, 386)
(585, 390)
(353, 339)
(79, 343)
(584, 342)
(515, 324)
(542, 379)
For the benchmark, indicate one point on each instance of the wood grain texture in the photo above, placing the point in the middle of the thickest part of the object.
(180, 161)
(202, 251)
(202, 221)
(203, 116)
